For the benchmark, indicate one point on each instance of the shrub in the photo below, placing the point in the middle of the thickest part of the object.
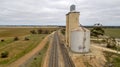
(39, 31)
(16, 38)
(4, 54)
(35, 58)
(33, 31)
(2, 40)
(63, 31)
(111, 42)
(26, 38)
(46, 32)
(40, 53)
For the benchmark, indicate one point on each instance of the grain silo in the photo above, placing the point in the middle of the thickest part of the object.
(77, 37)
(72, 22)
(80, 40)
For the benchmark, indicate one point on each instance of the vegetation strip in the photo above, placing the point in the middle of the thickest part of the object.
(113, 59)
(37, 60)
(21, 48)
(29, 55)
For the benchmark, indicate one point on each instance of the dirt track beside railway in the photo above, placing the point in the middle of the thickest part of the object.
(25, 58)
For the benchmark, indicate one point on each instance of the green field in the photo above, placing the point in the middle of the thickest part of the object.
(113, 32)
(112, 58)
(18, 48)
(39, 58)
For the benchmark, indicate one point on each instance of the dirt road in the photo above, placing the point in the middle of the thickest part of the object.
(106, 49)
(23, 59)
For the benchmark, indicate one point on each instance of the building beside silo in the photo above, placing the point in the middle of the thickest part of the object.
(77, 37)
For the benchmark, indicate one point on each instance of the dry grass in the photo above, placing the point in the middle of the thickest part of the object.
(12, 32)
(112, 58)
(113, 32)
(18, 48)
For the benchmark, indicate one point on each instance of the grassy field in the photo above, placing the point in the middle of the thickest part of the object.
(18, 48)
(12, 32)
(37, 60)
(113, 32)
(112, 58)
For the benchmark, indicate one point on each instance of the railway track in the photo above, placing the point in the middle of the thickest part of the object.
(53, 60)
(67, 60)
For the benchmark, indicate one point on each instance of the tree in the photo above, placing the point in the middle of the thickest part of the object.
(97, 30)
(39, 31)
(46, 32)
(33, 31)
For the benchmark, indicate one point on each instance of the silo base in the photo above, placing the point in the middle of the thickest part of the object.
(80, 40)
(79, 52)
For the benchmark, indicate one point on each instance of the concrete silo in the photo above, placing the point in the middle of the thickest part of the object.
(80, 40)
(77, 37)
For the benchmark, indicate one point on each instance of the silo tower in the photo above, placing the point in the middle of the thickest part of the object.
(72, 22)
(77, 37)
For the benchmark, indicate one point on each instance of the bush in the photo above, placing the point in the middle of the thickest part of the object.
(16, 38)
(46, 32)
(111, 42)
(26, 38)
(4, 54)
(39, 31)
(2, 40)
(33, 32)
(63, 31)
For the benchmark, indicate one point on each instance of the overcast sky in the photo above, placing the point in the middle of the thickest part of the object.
(52, 12)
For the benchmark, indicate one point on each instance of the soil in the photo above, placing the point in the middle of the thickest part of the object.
(94, 58)
(46, 59)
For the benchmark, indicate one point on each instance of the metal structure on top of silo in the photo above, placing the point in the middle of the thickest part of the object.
(72, 8)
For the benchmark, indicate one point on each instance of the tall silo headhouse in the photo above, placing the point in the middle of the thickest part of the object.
(77, 37)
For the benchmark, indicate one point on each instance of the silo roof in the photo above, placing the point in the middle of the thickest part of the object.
(72, 12)
(80, 29)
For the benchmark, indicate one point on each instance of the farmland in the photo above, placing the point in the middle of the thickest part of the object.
(19, 48)
(113, 32)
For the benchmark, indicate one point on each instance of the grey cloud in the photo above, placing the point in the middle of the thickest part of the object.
(53, 11)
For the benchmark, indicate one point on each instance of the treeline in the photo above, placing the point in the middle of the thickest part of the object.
(40, 31)
(104, 26)
(93, 26)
